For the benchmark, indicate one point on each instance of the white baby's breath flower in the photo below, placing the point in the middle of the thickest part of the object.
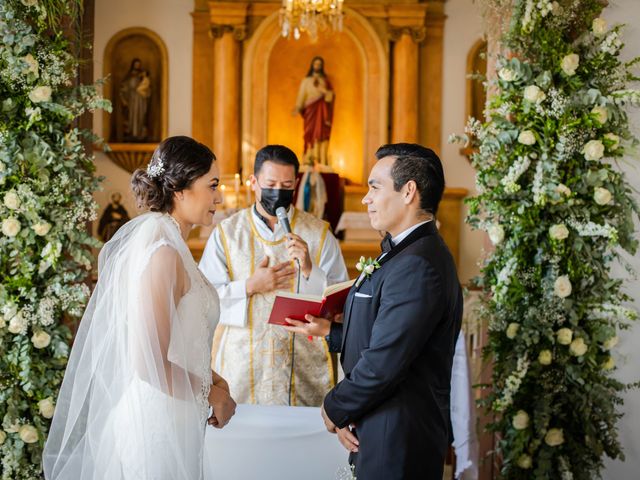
(496, 233)
(570, 63)
(609, 343)
(534, 94)
(601, 114)
(512, 330)
(11, 227)
(41, 228)
(612, 137)
(526, 137)
(599, 26)
(28, 434)
(602, 196)
(524, 460)
(564, 336)
(507, 74)
(593, 150)
(577, 347)
(520, 420)
(40, 94)
(562, 286)
(41, 339)
(12, 200)
(46, 407)
(554, 437)
(545, 357)
(559, 231)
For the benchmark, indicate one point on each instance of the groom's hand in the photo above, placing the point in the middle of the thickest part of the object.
(348, 439)
(331, 427)
(314, 326)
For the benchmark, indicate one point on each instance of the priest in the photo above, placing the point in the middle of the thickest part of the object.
(248, 258)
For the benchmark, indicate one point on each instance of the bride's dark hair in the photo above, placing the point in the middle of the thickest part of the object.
(175, 165)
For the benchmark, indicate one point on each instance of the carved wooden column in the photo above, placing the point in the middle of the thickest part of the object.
(202, 99)
(228, 29)
(406, 30)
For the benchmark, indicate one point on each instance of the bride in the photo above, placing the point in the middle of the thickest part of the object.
(135, 398)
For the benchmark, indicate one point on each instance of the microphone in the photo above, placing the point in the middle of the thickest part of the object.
(283, 220)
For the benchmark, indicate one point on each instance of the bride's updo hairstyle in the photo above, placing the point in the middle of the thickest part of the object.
(174, 166)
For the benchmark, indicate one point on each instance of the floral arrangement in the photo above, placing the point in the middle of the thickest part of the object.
(559, 213)
(46, 185)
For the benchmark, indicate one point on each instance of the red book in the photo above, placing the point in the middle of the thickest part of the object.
(297, 305)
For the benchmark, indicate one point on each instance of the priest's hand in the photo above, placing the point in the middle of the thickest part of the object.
(314, 326)
(267, 279)
(331, 427)
(299, 250)
(348, 439)
(224, 407)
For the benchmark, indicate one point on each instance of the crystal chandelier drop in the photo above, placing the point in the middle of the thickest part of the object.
(310, 16)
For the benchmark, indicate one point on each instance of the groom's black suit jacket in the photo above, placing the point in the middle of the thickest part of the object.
(397, 343)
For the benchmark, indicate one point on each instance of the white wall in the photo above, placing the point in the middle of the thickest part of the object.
(171, 20)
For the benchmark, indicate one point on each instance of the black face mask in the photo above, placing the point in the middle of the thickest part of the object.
(272, 198)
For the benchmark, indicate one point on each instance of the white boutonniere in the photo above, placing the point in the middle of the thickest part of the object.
(366, 267)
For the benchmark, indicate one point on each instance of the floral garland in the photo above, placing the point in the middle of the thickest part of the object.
(558, 211)
(46, 185)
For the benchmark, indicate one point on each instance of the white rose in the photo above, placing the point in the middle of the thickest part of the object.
(28, 434)
(545, 357)
(527, 137)
(599, 27)
(9, 310)
(609, 364)
(29, 3)
(524, 462)
(578, 347)
(612, 137)
(507, 74)
(564, 336)
(602, 196)
(512, 330)
(555, 8)
(554, 437)
(570, 64)
(562, 189)
(11, 227)
(41, 228)
(17, 324)
(369, 269)
(534, 94)
(40, 94)
(520, 420)
(610, 343)
(41, 339)
(3, 436)
(593, 150)
(12, 201)
(496, 234)
(601, 114)
(32, 64)
(562, 286)
(359, 266)
(46, 407)
(559, 231)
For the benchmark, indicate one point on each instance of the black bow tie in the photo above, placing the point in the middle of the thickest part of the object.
(387, 244)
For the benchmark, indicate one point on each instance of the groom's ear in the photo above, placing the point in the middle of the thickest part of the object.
(410, 192)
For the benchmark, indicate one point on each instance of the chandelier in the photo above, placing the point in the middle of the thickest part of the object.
(310, 16)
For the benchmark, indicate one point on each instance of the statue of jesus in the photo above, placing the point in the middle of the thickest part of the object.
(315, 104)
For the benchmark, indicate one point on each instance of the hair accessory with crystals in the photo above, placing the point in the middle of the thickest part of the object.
(157, 169)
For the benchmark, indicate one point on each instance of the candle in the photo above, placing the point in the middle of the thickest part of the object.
(247, 186)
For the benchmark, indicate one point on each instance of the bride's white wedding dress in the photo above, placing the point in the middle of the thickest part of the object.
(133, 404)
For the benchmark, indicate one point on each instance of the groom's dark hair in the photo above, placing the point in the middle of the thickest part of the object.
(420, 164)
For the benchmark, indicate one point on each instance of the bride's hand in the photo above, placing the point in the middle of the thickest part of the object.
(218, 381)
(224, 407)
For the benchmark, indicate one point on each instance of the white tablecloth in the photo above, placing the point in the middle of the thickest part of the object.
(272, 442)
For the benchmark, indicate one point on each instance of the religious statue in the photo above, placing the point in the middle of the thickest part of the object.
(315, 104)
(113, 217)
(135, 92)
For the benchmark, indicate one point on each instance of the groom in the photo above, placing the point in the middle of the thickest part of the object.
(400, 328)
